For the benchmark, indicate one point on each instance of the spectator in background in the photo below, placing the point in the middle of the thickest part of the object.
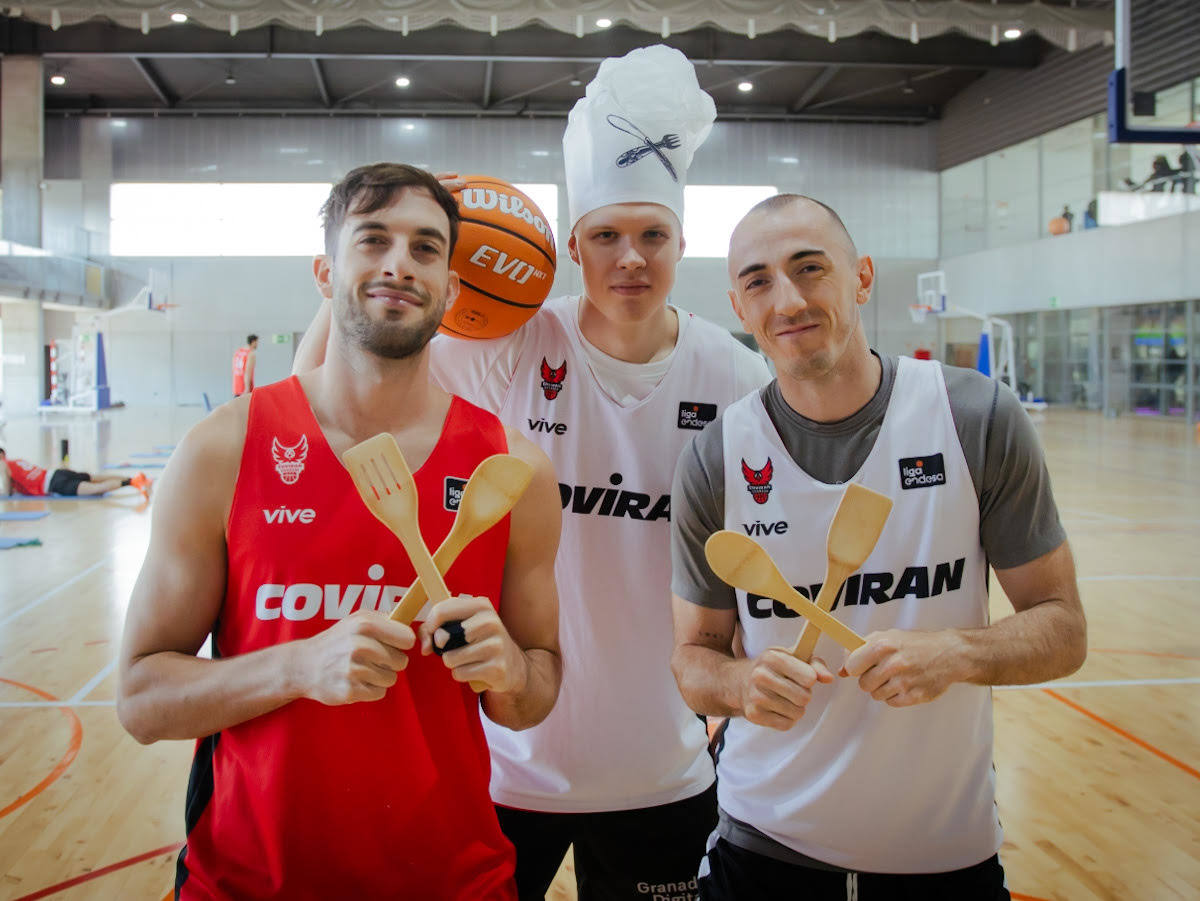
(1069, 216)
(243, 366)
(1161, 174)
(1185, 177)
(1089, 215)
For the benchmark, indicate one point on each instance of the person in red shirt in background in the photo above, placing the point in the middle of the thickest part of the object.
(332, 760)
(23, 477)
(243, 366)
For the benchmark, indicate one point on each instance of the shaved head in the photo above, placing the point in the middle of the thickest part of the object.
(781, 202)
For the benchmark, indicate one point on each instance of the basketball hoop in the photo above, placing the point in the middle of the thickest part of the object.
(918, 312)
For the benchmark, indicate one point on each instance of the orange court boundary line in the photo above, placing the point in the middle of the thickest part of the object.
(1121, 732)
(103, 871)
(1016, 896)
(67, 758)
(1142, 653)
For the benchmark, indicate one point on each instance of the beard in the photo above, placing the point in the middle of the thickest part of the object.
(396, 336)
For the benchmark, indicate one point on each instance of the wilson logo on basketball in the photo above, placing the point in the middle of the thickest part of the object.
(758, 481)
(489, 199)
(552, 379)
(289, 461)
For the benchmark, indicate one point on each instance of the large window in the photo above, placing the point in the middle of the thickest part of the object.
(234, 219)
(711, 211)
(964, 213)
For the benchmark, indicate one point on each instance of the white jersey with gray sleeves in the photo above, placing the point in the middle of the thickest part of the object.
(620, 736)
(856, 783)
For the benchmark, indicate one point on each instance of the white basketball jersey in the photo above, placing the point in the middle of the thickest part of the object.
(857, 783)
(620, 736)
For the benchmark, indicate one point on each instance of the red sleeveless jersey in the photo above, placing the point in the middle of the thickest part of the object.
(26, 477)
(379, 799)
(240, 356)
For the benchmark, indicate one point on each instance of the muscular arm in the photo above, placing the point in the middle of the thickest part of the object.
(1045, 638)
(517, 653)
(164, 690)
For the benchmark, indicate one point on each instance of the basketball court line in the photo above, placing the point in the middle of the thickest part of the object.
(65, 761)
(1124, 734)
(93, 682)
(53, 591)
(103, 871)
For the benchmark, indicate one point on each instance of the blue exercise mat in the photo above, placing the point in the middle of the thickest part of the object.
(18, 515)
(157, 455)
(139, 465)
(6, 543)
(164, 447)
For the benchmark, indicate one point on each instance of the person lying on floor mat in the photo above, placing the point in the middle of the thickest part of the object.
(23, 477)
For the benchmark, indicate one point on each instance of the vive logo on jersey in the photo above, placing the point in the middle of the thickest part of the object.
(289, 461)
(308, 600)
(284, 514)
(552, 379)
(454, 491)
(922, 472)
(860, 589)
(544, 425)
(758, 527)
(758, 481)
(694, 415)
(587, 500)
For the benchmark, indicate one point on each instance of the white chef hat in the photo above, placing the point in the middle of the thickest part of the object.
(631, 138)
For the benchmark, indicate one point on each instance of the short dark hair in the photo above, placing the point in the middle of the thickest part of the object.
(250, 339)
(370, 188)
(779, 201)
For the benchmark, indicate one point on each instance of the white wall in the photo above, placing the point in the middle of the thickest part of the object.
(1138, 263)
(880, 178)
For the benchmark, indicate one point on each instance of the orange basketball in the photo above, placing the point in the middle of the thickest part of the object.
(504, 258)
(1058, 226)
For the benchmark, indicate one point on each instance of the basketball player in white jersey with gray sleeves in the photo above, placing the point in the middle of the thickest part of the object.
(876, 783)
(611, 385)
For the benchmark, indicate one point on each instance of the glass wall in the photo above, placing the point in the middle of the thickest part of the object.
(1071, 179)
(1142, 359)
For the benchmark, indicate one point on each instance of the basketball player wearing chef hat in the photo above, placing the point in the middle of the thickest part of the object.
(611, 385)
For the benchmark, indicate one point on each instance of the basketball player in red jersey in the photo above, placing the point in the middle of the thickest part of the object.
(332, 761)
(244, 359)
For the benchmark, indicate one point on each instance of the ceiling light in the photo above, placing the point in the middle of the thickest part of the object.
(746, 86)
(230, 78)
(403, 82)
(574, 82)
(58, 80)
(119, 123)
(908, 88)
(1012, 33)
(178, 18)
(409, 126)
(790, 160)
(603, 23)
(540, 152)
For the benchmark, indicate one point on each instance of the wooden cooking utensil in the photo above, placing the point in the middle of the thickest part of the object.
(853, 534)
(743, 563)
(385, 483)
(492, 491)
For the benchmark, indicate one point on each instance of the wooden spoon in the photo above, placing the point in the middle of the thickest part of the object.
(852, 536)
(743, 563)
(492, 491)
(385, 483)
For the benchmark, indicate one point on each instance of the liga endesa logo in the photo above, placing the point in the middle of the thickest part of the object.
(922, 472)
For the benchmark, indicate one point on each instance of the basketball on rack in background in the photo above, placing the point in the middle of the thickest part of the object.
(504, 258)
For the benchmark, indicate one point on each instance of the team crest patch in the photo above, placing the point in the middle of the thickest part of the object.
(758, 481)
(552, 379)
(922, 472)
(289, 461)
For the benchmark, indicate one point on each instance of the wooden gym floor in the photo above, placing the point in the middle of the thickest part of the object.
(1099, 775)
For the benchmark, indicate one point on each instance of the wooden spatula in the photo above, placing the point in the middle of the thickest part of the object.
(492, 491)
(385, 483)
(852, 536)
(743, 563)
